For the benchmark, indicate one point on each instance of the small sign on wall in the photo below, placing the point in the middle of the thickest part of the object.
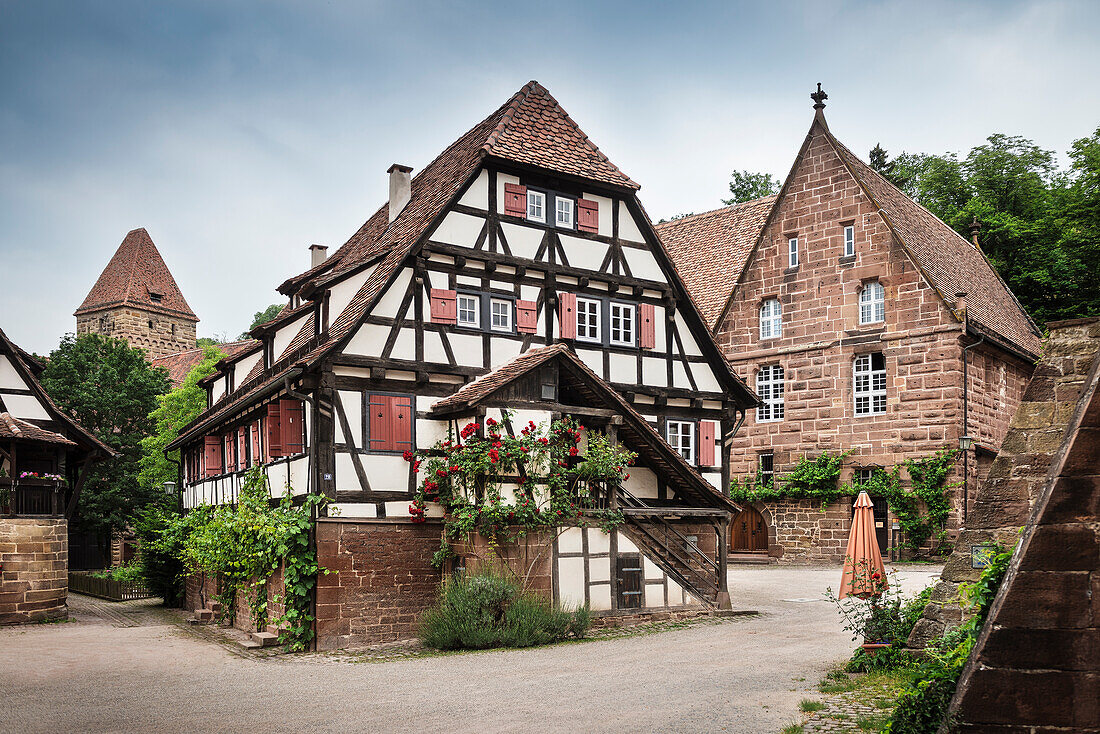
(981, 555)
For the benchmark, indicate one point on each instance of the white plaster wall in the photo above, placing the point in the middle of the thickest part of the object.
(243, 366)
(458, 229)
(352, 403)
(642, 482)
(352, 509)
(9, 377)
(571, 582)
(642, 263)
(25, 406)
(583, 253)
(502, 351)
(606, 224)
(433, 348)
(346, 478)
(466, 348)
(391, 300)
(478, 193)
(386, 473)
(624, 368)
(285, 335)
(340, 294)
(404, 347)
(522, 241)
(654, 372)
(368, 340)
(628, 228)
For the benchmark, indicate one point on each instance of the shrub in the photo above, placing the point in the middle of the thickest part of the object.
(128, 573)
(898, 618)
(484, 610)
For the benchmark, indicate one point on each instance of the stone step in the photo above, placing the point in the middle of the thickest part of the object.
(750, 558)
(273, 628)
(250, 644)
(214, 606)
(204, 616)
(265, 639)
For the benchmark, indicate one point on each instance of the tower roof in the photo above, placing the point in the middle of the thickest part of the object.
(137, 276)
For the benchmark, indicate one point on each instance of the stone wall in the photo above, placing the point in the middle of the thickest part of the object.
(167, 335)
(530, 558)
(1016, 478)
(1036, 664)
(802, 532)
(34, 569)
(921, 339)
(383, 580)
(201, 590)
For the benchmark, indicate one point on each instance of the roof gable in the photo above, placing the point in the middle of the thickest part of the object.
(137, 276)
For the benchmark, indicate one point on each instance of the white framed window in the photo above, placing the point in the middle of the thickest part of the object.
(870, 384)
(469, 310)
(865, 474)
(771, 319)
(766, 469)
(588, 319)
(536, 206)
(500, 314)
(792, 252)
(564, 210)
(681, 437)
(769, 386)
(849, 240)
(622, 324)
(872, 303)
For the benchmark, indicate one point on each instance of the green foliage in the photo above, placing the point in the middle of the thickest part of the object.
(747, 185)
(161, 533)
(262, 317)
(128, 573)
(243, 546)
(1040, 226)
(464, 476)
(111, 390)
(922, 507)
(922, 707)
(174, 410)
(898, 621)
(484, 610)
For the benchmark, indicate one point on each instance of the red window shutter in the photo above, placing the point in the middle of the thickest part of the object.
(567, 315)
(647, 334)
(706, 442)
(227, 454)
(213, 454)
(588, 216)
(444, 307)
(292, 417)
(257, 454)
(242, 448)
(515, 200)
(403, 415)
(274, 432)
(527, 317)
(380, 425)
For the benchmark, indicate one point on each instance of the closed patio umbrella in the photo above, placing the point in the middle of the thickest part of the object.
(864, 574)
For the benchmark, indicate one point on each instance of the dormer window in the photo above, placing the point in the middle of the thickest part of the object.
(156, 298)
(564, 212)
(536, 206)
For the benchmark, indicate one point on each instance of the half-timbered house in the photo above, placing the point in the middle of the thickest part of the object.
(516, 272)
(45, 457)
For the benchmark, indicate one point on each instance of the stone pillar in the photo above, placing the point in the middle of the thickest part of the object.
(34, 569)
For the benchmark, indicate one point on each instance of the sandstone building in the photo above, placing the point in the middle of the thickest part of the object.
(137, 299)
(864, 323)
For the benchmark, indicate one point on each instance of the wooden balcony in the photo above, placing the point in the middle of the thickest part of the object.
(32, 497)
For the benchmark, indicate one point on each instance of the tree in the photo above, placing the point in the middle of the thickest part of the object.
(746, 186)
(174, 411)
(110, 389)
(262, 317)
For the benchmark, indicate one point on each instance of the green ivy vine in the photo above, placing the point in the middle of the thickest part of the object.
(922, 507)
(553, 483)
(242, 546)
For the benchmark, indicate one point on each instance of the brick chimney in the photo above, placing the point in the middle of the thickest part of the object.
(960, 305)
(400, 188)
(317, 255)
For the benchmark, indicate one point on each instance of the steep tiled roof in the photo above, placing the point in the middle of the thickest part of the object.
(134, 276)
(12, 427)
(535, 130)
(951, 263)
(710, 250)
(181, 363)
(470, 393)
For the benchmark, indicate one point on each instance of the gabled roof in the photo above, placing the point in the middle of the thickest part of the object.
(386, 245)
(949, 263)
(82, 435)
(710, 250)
(136, 275)
(17, 428)
(181, 363)
(636, 432)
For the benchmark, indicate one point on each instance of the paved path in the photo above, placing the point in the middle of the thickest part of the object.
(747, 675)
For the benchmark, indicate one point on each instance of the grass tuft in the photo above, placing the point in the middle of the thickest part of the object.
(809, 706)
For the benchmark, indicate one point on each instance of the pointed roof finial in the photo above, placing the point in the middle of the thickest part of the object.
(819, 98)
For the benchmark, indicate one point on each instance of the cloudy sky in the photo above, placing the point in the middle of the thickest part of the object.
(238, 133)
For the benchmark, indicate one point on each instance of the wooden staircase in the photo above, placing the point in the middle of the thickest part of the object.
(673, 552)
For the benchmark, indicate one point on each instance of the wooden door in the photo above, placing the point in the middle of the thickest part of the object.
(748, 534)
(628, 573)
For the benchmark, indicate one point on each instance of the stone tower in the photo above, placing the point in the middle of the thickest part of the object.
(137, 299)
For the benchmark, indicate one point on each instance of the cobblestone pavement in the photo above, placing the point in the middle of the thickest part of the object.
(137, 613)
(738, 675)
(861, 710)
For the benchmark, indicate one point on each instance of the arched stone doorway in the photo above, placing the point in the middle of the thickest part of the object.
(748, 532)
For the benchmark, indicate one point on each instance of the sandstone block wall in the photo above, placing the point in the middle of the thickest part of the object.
(530, 558)
(167, 335)
(383, 580)
(804, 532)
(200, 590)
(34, 569)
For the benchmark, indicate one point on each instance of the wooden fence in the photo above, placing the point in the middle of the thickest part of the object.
(85, 583)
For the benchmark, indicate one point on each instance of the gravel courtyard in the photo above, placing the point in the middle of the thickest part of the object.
(116, 672)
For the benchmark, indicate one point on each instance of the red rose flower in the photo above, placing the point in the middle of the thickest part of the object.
(493, 455)
(573, 451)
